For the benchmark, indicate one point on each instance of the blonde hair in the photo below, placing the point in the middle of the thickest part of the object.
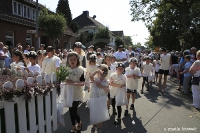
(198, 53)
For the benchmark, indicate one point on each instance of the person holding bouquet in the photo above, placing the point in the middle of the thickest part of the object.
(76, 80)
(18, 61)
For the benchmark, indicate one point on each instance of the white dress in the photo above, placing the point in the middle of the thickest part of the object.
(89, 70)
(131, 83)
(119, 93)
(112, 69)
(98, 103)
(78, 91)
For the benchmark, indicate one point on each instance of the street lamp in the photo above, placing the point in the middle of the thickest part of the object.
(37, 41)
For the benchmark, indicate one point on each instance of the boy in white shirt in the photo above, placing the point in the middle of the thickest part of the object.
(146, 69)
(132, 78)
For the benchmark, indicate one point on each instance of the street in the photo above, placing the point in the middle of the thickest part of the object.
(154, 113)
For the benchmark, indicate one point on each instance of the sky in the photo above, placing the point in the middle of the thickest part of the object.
(114, 14)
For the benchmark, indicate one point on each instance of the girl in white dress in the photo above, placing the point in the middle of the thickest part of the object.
(91, 67)
(118, 80)
(132, 78)
(18, 61)
(156, 64)
(34, 66)
(113, 60)
(76, 78)
(146, 69)
(111, 69)
(26, 59)
(98, 98)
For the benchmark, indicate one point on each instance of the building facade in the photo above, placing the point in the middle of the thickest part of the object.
(18, 25)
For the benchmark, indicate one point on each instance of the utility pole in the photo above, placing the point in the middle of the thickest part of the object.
(37, 41)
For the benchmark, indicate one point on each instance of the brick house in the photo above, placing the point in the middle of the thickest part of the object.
(17, 17)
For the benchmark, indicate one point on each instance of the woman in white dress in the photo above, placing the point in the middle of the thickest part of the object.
(98, 98)
(195, 71)
(51, 63)
(77, 80)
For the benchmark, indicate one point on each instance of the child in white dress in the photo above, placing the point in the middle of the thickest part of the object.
(91, 67)
(132, 78)
(98, 98)
(111, 69)
(34, 66)
(118, 80)
(146, 69)
(156, 64)
(18, 61)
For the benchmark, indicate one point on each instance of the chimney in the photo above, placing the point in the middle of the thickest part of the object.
(86, 13)
(94, 16)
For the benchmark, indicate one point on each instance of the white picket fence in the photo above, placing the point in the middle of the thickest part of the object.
(37, 116)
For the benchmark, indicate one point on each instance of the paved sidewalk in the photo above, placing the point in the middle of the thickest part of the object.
(155, 112)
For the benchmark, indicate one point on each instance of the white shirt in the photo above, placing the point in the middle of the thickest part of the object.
(165, 61)
(36, 69)
(120, 55)
(49, 65)
(26, 51)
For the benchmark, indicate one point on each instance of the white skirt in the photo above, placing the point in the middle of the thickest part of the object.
(98, 110)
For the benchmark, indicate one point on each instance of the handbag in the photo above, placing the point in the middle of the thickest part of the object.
(195, 80)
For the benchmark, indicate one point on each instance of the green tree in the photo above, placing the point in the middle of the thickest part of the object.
(54, 25)
(102, 37)
(128, 41)
(74, 26)
(86, 38)
(119, 41)
(63, 8)
(187, 10)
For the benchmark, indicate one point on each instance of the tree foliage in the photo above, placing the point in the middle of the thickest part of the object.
(128, 41)
(54, 25)
(119, 41)
(74, 26)
(102, 37)
(63, 8)
(174, 16)
(86, 38)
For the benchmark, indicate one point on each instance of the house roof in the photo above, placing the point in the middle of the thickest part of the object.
(118, 33)
(84, 20)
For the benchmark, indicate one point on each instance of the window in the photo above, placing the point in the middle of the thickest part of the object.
(29, 39)
(9, 35)
(33, 14)
(28, 12)
(25, 11)
(17, 8)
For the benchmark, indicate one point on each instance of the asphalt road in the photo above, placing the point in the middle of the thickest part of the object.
(155, 112)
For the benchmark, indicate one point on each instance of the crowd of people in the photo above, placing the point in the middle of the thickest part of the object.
(111, 78)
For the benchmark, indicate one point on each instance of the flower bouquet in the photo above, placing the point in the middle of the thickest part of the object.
(61, 75)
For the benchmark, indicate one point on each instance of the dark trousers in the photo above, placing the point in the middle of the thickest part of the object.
(73, 113)
(119, 108)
